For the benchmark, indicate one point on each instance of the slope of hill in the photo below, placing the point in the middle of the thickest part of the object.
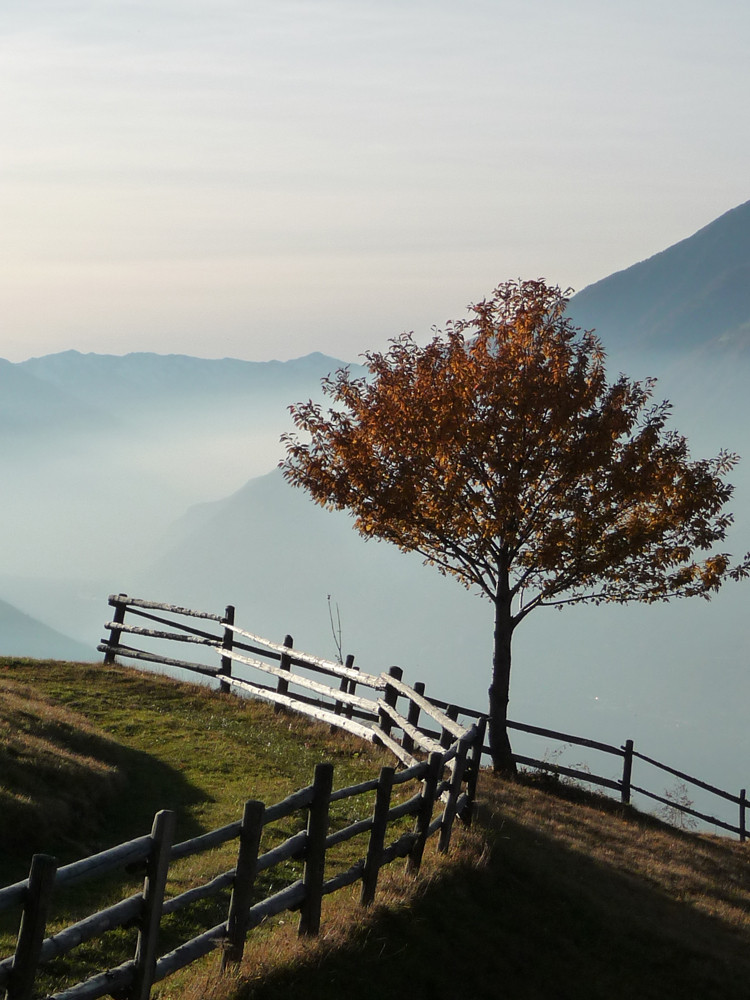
(694, 296)
(143, 742)
(551, 893)
(563, 898)
(89, 754)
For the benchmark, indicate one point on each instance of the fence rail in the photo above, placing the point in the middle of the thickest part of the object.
(624, 786)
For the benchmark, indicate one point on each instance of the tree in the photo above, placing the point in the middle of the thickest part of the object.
(501, 454)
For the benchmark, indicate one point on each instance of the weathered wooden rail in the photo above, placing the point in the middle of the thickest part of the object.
(446, 780)
(364, 704)
(374, 717)
(624, 786)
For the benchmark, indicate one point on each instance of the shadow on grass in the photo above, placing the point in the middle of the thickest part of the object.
(68, 791)
(72, 793)
(536, 920)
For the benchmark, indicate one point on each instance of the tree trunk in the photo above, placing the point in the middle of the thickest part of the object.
(502, 755)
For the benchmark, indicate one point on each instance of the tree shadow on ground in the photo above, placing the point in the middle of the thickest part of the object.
(67, 789)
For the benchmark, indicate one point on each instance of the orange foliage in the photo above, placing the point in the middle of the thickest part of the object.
(501, 448)
(501, 453)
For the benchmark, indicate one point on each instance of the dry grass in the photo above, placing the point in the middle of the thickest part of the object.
(553, 893)
(277, 960)
(710, 874)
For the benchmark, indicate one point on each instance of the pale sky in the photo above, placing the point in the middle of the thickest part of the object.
(265, 178)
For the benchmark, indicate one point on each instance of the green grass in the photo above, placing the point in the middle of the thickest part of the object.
(144, 742)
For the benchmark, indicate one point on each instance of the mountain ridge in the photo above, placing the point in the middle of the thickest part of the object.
(118, 383)
(23, 635)
(691, 297)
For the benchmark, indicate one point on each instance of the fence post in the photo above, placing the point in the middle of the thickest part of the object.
(352, 688)
(446, 737)
(743, 807)
(33, 925)
(239, 904)
(339, 706)
(227, 643)
(157, 869)
(285, 663)
(315, 851)
(627, 770)
(120, 605)
(390, 697)
(424, 815)
(473, 765)
(454, 789)
(377, 835)
(412, 718)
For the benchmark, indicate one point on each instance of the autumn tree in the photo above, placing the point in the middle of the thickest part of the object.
(502, 455)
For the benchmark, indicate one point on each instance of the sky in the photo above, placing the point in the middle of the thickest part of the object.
(265, 178)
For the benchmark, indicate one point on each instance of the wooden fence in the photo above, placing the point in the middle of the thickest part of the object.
(623, 786)
(320, 688)
(445, 777)
(443, 756)
(375, 719)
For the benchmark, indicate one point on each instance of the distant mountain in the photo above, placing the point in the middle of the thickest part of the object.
(692, 297)
(115, 403)
(22, 635)
(134, 387)
(32, 406)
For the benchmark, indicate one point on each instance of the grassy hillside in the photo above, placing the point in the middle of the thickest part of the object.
(552, 893)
